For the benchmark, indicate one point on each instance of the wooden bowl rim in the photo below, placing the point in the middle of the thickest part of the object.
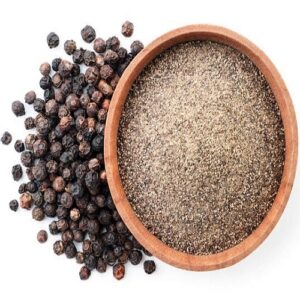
(148, 240)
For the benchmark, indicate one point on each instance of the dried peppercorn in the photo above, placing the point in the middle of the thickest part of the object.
(38, 214)
(127, 29)
(99, 45)
(14, 205)
(67, 236)
(45, 69)
(26, 200)
(101, 265)
(29, 123)
(53, 228)
(136, 47)
(149, 266)
(55, 63)
(17, 172)
(58, 247)
(18, 108)
(70, 46)
(79, 257)
(88, 33)
(113, 43)
(42, 236)
(84, 273)
(135, 257)
(6, 138)
(89, 58)
(119, 271)
(22, 188)
(52, 40)
(70, 250)
(31, 187)
(39, 105)
(30, 97)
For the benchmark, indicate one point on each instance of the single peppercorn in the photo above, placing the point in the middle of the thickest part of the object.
(58, 247)
(101, 266)
(149, 266)
(127, 29)
(84, 273)
(45, 69)
(26, 200)
(13, 205)
(52, 40)
(38, 214)
(29, 123)
(88, 33)
(17, 172)
(30, 97)
(39, 105)
(67, 236)
(31, 187)
(89, 58)
(79, 257)
(18, 108)
(53, 228)
(136, 47)
(119, 271)
(6, 138)
(19, 146)
(99, 45)
(113, 43)
(70, 46)
(70, 250)
(42, 236)
(135, 257)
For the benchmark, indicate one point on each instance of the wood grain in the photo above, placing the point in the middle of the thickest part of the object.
(148, 240)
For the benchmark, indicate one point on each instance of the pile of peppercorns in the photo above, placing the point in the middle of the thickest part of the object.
(64, 156)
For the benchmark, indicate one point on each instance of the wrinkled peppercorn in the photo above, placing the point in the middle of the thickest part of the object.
(127, 29)
(26, 200)
(79, 257)
(29, 123)
(42, 236)
(135, 257)
(19, 146)
(18, 108)
(13, 205)
(149, 266)
(88, 33)
(52, 40)
(45, 69)
(136, 47)
(84, 273)
(6, 138)
(58, 247)
(38, 214)
(30, 97)
(70, 46)
(70, 250)
(119, 271)
(99, 45)
(17, 172)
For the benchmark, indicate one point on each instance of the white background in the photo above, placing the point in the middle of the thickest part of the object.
(30, 270)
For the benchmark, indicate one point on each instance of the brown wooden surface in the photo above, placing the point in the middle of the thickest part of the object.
(149, 241)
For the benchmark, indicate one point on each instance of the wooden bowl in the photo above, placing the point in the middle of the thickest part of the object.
(148, 240)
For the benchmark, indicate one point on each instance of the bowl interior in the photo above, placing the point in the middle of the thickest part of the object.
(148, 240)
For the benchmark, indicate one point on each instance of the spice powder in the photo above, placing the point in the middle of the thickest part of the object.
(201, 147)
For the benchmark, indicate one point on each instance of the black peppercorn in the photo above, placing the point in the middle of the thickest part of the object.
(127, 29)
(136, 47)
(113, 43)
(70, 250)
(39, 105)
(26, 200)
(29, 123)
(67, 236)
(13, 205)
(17, 172)
(90, 261)
(87, 247)
(88, 33)
(99, 45)
(123, 258)
(45, 69)
(30, 97)
(101, 266)
(78, 56)
(53, 228)
(22, 188)
(55, 63)
(70, 46)
(66, 200)
(19, 146)
(52, 40)
(79, 257)
(6, 138)
(149, 266)
(58, 247)
(135, 257)
(42, 236)
(78, 236)
(18, 108)
(84, 273)
(119, 271)
(50, 210)
(38, 199)
(39, 172)
(31, 187)
(65, 68)
(38, 214)
(89, 58)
